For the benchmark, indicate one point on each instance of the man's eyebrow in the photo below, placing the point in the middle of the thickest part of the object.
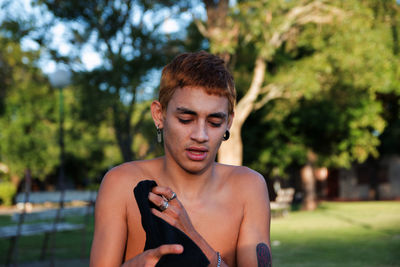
(220, 115)
(186, 111)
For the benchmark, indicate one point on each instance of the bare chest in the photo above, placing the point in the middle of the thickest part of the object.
(217, 221)
(219, 225)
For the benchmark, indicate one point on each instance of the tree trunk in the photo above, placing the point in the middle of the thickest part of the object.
(122, 128)
(218, 31)
(223, 35)
(231, 151)
(308, 183)
(125, 144)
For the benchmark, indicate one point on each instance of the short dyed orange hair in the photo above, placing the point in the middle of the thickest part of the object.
(199, 69)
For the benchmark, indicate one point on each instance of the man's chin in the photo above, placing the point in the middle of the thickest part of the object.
(197, 167)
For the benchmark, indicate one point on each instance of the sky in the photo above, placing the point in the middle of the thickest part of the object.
(90, 58)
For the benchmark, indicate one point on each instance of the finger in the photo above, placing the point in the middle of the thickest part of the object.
(164, 216)
(167, 249)
(156, 199)
(164, 191)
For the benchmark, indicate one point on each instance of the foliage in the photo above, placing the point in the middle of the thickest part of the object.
(333, 76)
(27, 137)
(334, 70)
(104, 109)
(85, 145)
(126, 35)
(7, 192)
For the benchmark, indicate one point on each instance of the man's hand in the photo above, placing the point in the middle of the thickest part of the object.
(150, 257)
(175, 214)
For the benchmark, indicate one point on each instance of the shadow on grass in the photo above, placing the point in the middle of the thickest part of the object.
(357, 222)
(327, 251)
(70, 247)
(338, 234)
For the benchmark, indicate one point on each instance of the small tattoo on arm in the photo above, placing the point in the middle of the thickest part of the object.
(263, 255)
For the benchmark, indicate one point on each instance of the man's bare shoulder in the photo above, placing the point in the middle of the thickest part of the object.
(130, 172)
(241, 175)
(117, 185)
(244, 181)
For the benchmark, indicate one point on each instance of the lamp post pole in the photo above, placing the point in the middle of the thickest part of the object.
(61, 181)
(59, 79)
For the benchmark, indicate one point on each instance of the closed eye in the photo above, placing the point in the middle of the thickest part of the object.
(184, 121)
(215, 124)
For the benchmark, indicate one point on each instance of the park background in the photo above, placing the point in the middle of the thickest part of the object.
(318, 87)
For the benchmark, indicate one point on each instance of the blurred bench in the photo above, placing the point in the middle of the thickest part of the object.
(56, 207)
(283, 201)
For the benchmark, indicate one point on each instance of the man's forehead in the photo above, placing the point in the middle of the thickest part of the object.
(197, 100)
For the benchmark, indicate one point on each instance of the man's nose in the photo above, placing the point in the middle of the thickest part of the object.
(200, 133)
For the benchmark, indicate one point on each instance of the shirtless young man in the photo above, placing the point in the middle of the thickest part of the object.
(222, 208)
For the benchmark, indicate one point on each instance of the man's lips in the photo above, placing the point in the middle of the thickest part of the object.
(196, 153)
(197, 149)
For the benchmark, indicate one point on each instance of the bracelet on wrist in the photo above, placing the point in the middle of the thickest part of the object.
(218, 259)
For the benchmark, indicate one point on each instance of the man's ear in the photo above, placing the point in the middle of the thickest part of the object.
(157, 114)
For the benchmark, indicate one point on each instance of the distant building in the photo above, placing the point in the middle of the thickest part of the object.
(374, 179)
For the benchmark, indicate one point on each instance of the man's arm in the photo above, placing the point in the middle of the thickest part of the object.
(253, 248)
(110, 231)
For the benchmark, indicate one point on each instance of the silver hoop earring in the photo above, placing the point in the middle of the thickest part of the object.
(227, 135)
(159, 135)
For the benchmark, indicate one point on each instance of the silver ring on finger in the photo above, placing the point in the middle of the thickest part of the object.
(164, 205)
(172, 197)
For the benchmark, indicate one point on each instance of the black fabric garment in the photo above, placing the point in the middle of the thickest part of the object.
(159, 232)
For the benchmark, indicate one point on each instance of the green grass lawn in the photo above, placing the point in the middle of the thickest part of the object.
(355, 234)
(68, 245)
(339, 234)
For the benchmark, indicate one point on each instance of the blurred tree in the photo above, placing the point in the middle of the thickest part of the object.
(345, 68)
(107, 105)
(27, 121)
(387, 13)
(316, 66)
(29, 117)
(264, 27)
(127, 36)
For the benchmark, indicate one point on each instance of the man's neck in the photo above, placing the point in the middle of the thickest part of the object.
(188, 186)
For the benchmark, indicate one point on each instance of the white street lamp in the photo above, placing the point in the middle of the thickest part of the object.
(59, 79)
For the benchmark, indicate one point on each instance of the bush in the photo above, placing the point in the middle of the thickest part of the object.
(7, 192)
